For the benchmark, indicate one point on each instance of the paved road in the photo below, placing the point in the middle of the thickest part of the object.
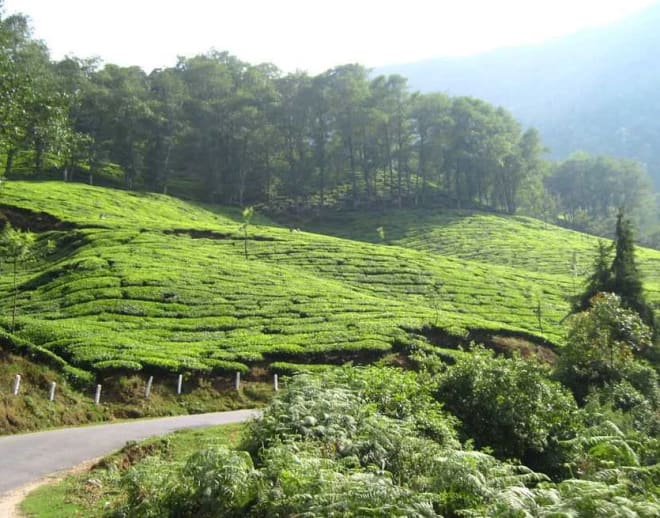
(29, 457)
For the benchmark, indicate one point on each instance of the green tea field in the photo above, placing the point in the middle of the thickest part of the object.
(141, 281)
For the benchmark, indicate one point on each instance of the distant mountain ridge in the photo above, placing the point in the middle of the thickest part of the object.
(597, 90)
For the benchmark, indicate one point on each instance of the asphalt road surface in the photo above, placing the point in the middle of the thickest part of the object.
(29, 457)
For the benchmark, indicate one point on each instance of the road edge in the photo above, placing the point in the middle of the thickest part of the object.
(10, 502)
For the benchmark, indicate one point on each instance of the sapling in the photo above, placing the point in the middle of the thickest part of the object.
(248, 212)
(18, 249)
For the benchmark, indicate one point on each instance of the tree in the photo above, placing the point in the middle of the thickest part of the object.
(167, 96)
(349, 91)
(622, 277)
(18, 248)
(626, 278)
(599, 281)
(431, 123)
(591, 189)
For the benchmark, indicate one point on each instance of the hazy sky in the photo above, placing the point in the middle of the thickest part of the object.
(309, 35)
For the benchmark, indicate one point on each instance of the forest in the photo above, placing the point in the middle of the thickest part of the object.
(217, 129)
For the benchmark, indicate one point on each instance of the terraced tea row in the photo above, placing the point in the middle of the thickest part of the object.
(514, 241)
(128, 298)
(177, 292)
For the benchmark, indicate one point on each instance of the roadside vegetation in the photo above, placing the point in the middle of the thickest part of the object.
(444, 440)
(90, 493)
(123, 397)
(477, 434)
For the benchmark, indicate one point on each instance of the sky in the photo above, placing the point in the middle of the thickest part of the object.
(311, 35)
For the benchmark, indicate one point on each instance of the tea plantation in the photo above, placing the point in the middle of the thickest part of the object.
(126, 281)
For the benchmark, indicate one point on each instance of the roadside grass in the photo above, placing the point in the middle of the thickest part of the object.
(123, 397)
(90, 493)
(153, 285)
(31, 410)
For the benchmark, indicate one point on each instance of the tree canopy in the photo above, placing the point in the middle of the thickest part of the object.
(218, 129)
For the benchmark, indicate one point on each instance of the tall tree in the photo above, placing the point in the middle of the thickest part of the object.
(33, 116)
(167, 97)
(626, 278)
(600, 279)
(621, 277)
(432, 125)
(349, 90)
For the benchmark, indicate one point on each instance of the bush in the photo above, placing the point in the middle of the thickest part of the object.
(214, 482)
(601, 344)
(510, 405)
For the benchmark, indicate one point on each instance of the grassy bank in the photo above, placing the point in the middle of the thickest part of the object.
(123, 397)
(87, 494)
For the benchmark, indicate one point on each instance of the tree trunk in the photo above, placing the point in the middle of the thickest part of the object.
(351, 158)
(10, 161)
(38, 157)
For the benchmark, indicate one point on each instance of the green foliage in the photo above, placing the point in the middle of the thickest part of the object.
(600, 279)
(590, 190)
(345, 443)
(219, 129)
(302, 483)
(117, 365)
(17, 247)
(600, 342)
(212, 482)
(626, 278)
(220, 477)
(621, 277)
(247, 213)
(509, 405)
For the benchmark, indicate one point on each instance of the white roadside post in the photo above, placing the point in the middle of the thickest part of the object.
(97, 396)
(237, 383)
(147, 391)
(179, 385)
(51, 395)
(16, 385)
(275, 383)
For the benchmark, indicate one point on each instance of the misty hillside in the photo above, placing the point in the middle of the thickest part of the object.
(595, 90)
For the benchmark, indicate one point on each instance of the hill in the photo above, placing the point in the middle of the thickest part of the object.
(594, 90)
(146, 282)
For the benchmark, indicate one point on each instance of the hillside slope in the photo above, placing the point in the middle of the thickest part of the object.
(149, 282)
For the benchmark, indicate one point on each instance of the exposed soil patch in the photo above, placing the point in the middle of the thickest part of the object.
(32, 221)
(198, 234)
(131, 454)
(503, 342)
(358, 357)
(212, 234)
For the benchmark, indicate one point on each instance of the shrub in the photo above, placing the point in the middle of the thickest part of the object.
(509, 405)
(216, 482)
(601, 344)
